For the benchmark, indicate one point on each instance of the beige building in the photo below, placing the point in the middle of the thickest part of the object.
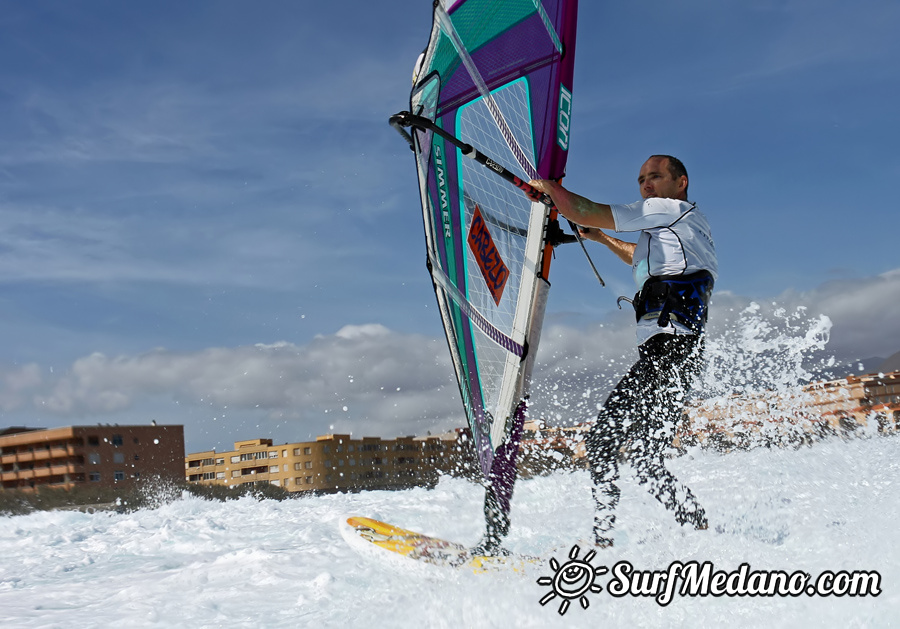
(835, 407)
(332, 463)
(99, 456)
(545, 449)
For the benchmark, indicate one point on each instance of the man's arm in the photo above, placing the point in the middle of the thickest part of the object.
(625, 250)
(576, 208)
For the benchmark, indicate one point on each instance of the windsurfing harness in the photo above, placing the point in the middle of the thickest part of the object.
(680, 298)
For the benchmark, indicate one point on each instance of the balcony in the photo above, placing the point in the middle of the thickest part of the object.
(42, 471)
(40, 454)
(263, 469)
(23, 474)
(56, 451)
(54, 470)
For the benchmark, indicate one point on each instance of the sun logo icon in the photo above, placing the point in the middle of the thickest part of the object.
(573, 580)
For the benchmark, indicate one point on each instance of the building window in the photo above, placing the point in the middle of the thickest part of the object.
(95, 477)
(94, 458)
(118, 457)
(93, 440)
(273, 469)
(309, 480)
(308, 465)
(118, 475)
(235, 459)
(235, 473)
(298, 481)
(220, 461)
(307, 450)
(296, 451)
(117, 440)
(220, 475)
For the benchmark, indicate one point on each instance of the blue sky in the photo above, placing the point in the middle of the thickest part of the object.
(205, 218)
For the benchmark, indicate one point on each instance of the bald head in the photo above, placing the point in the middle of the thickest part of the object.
(663, 176)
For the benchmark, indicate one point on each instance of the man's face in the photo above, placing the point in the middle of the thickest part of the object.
(656, 181)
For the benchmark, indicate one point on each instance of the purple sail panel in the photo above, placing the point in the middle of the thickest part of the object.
(502, 475)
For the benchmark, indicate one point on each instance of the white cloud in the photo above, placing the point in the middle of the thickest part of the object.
(361, 379)
(371, 380)
(16, 384)
(865, 313)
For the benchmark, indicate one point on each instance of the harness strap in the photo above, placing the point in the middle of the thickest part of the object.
(683, 298)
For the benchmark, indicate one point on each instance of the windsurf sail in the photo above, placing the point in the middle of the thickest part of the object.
(494, 84)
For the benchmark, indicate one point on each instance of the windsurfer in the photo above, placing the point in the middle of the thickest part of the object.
(674, 266)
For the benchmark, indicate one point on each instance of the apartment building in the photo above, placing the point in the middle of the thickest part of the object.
(835, 407)
(333, 462)
(101, 456)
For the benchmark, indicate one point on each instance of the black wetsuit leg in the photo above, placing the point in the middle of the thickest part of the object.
(641, 414)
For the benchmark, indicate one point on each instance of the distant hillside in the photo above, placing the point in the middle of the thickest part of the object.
(891, 364)
(875, 364)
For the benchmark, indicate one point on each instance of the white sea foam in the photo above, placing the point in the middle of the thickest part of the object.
(194, 563)
(248, 563)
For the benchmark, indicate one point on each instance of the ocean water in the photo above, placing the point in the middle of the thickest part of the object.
(833, 506)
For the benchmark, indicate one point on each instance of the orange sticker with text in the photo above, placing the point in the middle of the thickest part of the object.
(489, 261)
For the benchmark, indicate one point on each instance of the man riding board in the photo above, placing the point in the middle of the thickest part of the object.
(674, 267)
